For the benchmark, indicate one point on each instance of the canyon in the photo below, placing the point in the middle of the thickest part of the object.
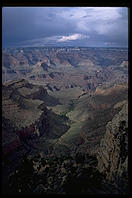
(65, 105)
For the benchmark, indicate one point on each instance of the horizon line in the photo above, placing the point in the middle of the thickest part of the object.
(64, 47)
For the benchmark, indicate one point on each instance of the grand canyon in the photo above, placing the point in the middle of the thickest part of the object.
(64, 120)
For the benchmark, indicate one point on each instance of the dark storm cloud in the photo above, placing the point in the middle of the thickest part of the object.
(64, 25)
(20, 24)
(17, 24)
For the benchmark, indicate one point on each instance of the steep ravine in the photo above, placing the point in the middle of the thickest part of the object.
(78, 173)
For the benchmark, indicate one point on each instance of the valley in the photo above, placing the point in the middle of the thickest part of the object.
(56, 103)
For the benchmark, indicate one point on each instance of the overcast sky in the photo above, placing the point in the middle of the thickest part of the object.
(65, 26)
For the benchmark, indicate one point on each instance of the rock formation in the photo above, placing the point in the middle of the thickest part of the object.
(86, 68)
(113, 151)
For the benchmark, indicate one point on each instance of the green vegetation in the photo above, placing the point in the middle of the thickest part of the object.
(74, 174)
(54, 175)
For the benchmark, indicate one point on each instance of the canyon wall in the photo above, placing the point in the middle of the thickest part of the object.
(113, 152)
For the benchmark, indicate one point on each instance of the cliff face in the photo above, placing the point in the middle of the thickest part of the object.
(113, 152)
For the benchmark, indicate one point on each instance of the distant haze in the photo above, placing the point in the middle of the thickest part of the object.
(65, 26)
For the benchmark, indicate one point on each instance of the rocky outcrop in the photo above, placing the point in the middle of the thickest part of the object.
(9, 60)
(89, 67)
(113, 151)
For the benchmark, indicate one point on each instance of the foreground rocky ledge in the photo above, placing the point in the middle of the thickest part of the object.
(113, 152)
